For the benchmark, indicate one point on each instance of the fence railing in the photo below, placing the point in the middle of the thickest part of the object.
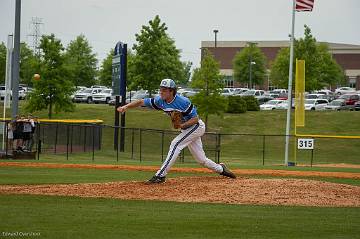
(94, 141)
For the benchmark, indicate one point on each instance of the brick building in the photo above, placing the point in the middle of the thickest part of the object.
(346, 55)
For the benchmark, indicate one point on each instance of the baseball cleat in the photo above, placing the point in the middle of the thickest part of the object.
(156, 179)
(226, 172)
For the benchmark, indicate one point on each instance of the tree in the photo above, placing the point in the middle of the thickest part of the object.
(156, 56)
(250, 57)
(321, 69)
(105, 73)
(186, 73)
(81, 62)
(2, 62)
(210, 81)
(29, 64)
(54, 88)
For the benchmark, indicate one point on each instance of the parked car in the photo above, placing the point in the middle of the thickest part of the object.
(86, 95)
(238, 91)
(255, 93)
(344, 90)
(103, 96)
(271, 105)
(338, 105)
(357, 106)
(279, 91)
(315, 96)
(226, 92)
(328, 94)
(22, 93)
(350, 99)
(315, 104)
(283, 105)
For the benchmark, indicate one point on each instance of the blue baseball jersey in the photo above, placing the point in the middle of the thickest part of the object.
(179, 103)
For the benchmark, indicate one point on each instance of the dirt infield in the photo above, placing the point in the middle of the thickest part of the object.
(289, 192)
(241, 172)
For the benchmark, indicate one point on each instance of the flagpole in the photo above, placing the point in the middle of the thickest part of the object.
(288, 115)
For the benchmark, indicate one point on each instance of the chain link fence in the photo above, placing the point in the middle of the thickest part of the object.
(96, 142)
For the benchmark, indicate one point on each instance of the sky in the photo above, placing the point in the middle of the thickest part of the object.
(105, 22)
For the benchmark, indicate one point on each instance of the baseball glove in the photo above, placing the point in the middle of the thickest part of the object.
(176, 119)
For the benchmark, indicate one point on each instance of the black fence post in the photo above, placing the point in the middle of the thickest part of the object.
(263, 154)
(140, 142)
(93, 143)
(162, 146)
(67, 142)
(218, 147)
(6, 140)
(85, 138)
(56, 136)
(132, 143)
(39, 149)
(71, 138)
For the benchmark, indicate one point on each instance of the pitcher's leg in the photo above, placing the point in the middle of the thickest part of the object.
(179, 143)
(197, 151)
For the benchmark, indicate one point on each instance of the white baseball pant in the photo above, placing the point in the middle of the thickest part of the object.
(190, 137)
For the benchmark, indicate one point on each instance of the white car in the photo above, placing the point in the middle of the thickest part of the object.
(344, 90)
(338, 105)
(238, 91)
(255, 93)
(283, 105)
(271, 105)
(86, 95)
(315, 96)
(279, 91)
(226, 92)
(103, 96)
(316, 104)
(22, 93)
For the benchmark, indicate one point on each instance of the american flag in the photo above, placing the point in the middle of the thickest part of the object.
(304, 5)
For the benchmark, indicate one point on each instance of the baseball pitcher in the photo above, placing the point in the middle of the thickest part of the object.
(184, 116)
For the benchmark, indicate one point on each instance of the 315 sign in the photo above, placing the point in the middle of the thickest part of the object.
(305, 143)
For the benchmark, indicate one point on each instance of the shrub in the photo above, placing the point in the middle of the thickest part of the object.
(236, 104)
(251, 103)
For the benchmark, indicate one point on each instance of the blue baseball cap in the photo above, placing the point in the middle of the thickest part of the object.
(168, 83)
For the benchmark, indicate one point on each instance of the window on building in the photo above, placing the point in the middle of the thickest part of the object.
(352, 81)
(229, 82)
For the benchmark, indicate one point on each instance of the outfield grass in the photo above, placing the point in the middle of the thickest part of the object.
(31, 175)
(73, 217)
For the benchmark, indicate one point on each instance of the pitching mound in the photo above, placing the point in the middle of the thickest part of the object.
(211, 190)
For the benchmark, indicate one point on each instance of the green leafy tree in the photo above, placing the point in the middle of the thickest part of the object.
(105, 73)
(54, 88)
(81, 62)
(2, 62)
(250, 57)
(29, 64)
(210, 81)
(321, 69)
(186, 74)
(156, 56)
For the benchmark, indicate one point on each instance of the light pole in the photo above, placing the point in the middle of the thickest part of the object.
(268, 78)
(216, 32)
(251, 63)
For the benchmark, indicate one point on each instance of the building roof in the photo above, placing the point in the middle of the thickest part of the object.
(283, 43)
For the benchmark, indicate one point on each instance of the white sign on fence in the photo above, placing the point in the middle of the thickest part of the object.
(305, 143)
